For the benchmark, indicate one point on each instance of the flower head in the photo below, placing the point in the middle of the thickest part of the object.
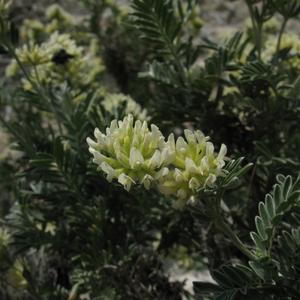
(32, 54)
(57, 60)
(195, 165)
(130, 152)
(133, 153)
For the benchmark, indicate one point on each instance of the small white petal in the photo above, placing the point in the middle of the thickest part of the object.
(204, 166)
(162, 173)
(171, 142)
(209, 149)
(135, 158)
(146, 181)
(155, 131)
(155, 160)
(106, 168)
(113, 126)
(190, 165)
(98, 157)
(181, 145)
(138, 126)
(210, 180)
(167, 156)
(126, 181)
(97, 133)
(190, 137)
(91, 143)
(194, 184)
(178, 175)
(199, 136)
(222, 152)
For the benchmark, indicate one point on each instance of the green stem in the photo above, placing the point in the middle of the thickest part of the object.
(283, 25)
(259, 40)
(40, 89)
(16, 57)
(257, 29)
(37, 86)
(224, 228)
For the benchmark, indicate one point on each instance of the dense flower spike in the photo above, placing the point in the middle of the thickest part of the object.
(195, 165)
(57, 60)
(132, 153)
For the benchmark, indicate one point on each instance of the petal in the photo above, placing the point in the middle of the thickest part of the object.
(210, 180)
(167, 156)
(137, 127)
(156, 134)
(146, 181)
(194, 184)
(209, 149)
(106, 168)
(204, 166)
(199, 136)
(191, 166)
(190, 137)
(171, 142)
(181, 145)
(91, 143)
(100, 137)
(98, 157)
(222, 152)
(161, 173)
(155, 160)
(126, 181)
(178, 175)
(135, 158)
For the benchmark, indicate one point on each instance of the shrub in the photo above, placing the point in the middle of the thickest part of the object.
(97, 219)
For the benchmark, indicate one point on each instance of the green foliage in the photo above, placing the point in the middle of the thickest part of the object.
(232, 281)
(67, 233)
(285, 195)
(156, 19)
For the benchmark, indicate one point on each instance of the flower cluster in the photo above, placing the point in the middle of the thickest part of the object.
(134, 154)
(130, 152)
(195, 165)
(57, 60)
(56, 19)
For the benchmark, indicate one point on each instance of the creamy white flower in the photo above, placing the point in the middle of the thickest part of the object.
(134, 154)
(130, 152)
(195, 165)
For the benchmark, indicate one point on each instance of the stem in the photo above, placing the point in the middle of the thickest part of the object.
(283, 25)
(258, 40)
(41, 90)
(16, 57)
(224, 228)
(37, 86)
(177, 61)
(257, 29)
